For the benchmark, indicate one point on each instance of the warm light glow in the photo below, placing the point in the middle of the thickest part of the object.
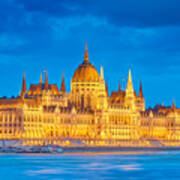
(87, 116)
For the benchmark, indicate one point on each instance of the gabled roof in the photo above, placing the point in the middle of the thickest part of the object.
(36, 89)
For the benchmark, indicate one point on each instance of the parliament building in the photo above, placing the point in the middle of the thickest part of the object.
(88, 115)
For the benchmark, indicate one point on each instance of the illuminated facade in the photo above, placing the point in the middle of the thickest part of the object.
(87, 115)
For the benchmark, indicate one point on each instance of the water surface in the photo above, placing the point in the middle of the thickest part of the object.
(134, 166)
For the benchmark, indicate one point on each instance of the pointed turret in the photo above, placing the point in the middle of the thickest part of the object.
(129, 89)
(119, 87)
(107, 91)
(23, 89)
(140, 90)
(63, 88)
(40, 81)
(173, 105)
(46, 82)
(102, 73)
(86, 57)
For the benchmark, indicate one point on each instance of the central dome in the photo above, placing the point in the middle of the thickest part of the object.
(86, 71)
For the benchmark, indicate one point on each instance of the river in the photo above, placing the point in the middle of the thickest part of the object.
(124, 166)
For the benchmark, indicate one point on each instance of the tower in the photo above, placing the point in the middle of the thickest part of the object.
(141, 101)
(129, 95)
(129, 89)
(87, 86)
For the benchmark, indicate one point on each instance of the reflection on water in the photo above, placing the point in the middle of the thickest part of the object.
(140, 166)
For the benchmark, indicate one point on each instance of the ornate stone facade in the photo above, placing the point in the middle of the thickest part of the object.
(87, 115)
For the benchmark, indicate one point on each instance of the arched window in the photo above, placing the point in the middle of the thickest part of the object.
(82, 101)
(88, 101)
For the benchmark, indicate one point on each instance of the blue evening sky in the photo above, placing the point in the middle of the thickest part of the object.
(37, 35)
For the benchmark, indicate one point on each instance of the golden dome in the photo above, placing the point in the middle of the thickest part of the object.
(86, 71)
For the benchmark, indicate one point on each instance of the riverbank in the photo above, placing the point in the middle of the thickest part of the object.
(118, 149)
(83, 149)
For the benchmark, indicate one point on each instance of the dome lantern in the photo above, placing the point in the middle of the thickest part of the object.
(86, 72)
(86, 57)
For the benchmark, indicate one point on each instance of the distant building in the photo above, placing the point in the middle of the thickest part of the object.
(46, 115)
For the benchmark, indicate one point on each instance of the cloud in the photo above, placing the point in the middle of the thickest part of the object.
(42, 24)
(122, 13)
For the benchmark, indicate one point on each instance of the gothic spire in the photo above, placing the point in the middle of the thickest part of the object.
(46, 82)
(129, 88)
(173, 105)
(107, 91)
(140, 90)
(86, 58)
(102, 73)
(63, 88)
(40, 81)
(119, 87)
(23, 89)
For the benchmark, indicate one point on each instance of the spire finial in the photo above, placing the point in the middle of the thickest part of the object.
(46, 81)
(130, 76)
(140, 90)
(119, 87)
(102, 73)
(129, 89)
(86, 58)
(40, 81)
(23, 89)
(173, 105)
(63, 88)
